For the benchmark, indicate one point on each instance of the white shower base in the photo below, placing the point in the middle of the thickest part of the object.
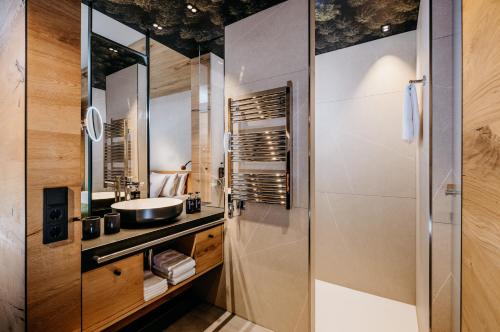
(341, 309)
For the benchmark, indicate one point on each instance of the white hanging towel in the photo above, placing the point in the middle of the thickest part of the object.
(411, 115)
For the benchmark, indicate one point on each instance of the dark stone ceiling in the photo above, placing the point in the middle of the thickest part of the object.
(344, 23)
(339, 24)
(183, 30)
(106, 62)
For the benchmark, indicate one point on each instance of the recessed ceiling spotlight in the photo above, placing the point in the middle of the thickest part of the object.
(110, 48)
(116, 51)
(159, 27)
(194, 10)
(386, 28)
(155, 25)
(190, 6)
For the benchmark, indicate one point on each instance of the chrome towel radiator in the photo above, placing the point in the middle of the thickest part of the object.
(117, 151)
(260, 147)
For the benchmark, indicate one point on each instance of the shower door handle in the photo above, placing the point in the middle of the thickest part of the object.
(451, 190)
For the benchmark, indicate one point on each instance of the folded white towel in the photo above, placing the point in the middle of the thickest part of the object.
(181, 278)
(171, 260)
(177, 270)
(153, 285)
(411, 115)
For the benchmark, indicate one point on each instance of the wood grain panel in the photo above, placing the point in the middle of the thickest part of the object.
(12, 217)
(170, 70)
(481, 166)
(105, 293)
(53, 159)
(208, 248)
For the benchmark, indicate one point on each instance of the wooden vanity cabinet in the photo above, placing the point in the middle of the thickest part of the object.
(111, 291)
(113, 294)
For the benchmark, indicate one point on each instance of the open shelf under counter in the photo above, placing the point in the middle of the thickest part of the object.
(112, 293)
(109, 248)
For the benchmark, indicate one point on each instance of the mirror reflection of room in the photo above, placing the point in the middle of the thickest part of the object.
(163, 125)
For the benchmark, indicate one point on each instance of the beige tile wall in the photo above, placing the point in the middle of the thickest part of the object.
(446, 169)
(365, 173)
(267, 246)
(12, 120)
(423, 173)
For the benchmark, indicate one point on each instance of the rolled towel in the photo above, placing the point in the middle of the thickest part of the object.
(181, 278)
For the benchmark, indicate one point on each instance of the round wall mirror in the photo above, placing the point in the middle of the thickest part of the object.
(94, 124)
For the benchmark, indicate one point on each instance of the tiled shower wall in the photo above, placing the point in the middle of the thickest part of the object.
(12, 207)
(365, 173)
(446, 165)
(267, 246)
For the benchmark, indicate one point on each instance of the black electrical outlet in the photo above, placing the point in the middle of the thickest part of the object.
(55, 214)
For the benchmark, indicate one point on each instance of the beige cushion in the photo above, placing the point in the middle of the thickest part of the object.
(181, 184)
(156, 184)
(170, 187)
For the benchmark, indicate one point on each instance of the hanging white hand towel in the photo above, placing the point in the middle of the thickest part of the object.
(411, 115)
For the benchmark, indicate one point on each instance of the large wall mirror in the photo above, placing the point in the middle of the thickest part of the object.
(163, 112)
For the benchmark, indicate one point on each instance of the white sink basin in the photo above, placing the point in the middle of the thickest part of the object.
(148, 211)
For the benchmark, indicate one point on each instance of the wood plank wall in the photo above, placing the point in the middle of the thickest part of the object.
(12, 101)
(481, 166)
(53, 160)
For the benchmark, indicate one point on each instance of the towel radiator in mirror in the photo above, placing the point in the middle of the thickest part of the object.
(117, 151)
(260, 147)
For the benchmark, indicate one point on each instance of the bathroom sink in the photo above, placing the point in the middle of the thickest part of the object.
(148, 211)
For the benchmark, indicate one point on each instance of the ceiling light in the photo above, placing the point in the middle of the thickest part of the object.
(194, 10)
(155, 25)
(116, 51)
(110, 48)
(189, 6)
(386, 28)
(159, 28)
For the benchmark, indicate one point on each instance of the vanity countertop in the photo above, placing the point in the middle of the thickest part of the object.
(130, 238)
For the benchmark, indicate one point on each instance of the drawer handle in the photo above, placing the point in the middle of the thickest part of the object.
(210, 236)
(117, 272)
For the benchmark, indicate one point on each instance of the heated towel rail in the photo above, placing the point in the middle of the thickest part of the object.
(260, 146)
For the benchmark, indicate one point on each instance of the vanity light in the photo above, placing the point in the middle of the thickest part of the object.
(386, 28)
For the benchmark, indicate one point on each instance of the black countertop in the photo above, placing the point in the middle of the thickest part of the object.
(129, 238)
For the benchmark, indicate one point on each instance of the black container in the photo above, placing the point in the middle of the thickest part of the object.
(111, 223)
(197, 202)
(190, 204)
(91, 227)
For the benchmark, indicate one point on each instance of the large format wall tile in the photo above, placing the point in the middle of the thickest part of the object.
(367, 243)
(266, 248)
(376, 67)
(365, 174)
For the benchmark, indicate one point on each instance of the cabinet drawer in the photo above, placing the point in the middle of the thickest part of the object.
(112, 289)
(208, 247)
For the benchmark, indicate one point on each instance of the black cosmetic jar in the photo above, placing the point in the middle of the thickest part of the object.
(91, 227)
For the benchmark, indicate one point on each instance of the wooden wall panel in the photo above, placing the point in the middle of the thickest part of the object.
(170, 70)
(53, 160)
(12, 216)
(481, 166)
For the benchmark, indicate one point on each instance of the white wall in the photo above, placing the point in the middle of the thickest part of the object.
(365, 173)
(99, 101)
(170, 131)
(125, 98)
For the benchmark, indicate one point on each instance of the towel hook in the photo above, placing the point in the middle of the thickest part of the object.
(422, 80)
